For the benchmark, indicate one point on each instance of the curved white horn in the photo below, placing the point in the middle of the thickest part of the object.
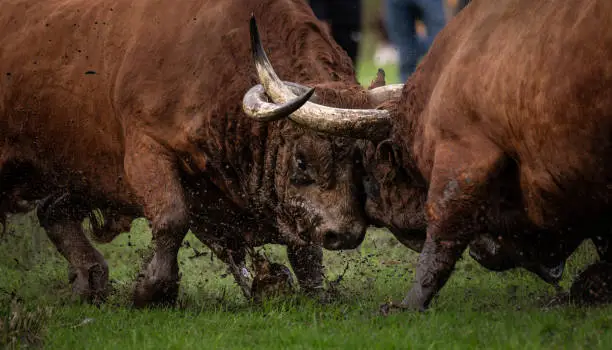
(356, 123)
(255, 105)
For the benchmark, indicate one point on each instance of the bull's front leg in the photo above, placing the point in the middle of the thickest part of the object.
(307, 263)
(152, 173)
(457, 191)
(233, 257)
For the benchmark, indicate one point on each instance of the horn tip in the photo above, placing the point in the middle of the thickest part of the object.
(299, 101)
(309, 93)
(256, 46)
(253, 24)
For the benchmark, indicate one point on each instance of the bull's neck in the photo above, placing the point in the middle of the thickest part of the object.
(240, 161)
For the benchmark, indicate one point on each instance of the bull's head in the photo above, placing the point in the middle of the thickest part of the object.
(396, 194)
(316, 183)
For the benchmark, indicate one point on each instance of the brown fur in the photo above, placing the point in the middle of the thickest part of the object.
(505, 129)
(134, 108)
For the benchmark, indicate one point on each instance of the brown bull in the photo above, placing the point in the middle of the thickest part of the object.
(134, 108)
(505, 128)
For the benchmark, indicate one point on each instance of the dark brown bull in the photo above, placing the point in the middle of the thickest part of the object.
(504, 128)
(133, 108)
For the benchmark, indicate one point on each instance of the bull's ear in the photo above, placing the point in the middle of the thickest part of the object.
(379, 80)
(387, 152)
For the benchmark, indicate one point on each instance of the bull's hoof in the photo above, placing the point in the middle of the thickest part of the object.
(89, 284)
(156, 293)
(391, 307)
(276, 281)
(321, 294)
(593, 286)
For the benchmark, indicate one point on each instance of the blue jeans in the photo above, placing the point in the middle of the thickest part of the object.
(401, 16)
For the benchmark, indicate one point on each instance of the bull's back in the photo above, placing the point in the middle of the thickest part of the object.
(67, 66)
(59, 60)
(536, 79)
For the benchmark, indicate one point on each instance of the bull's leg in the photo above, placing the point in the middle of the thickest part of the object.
(152, 173)
(456, 194)
(88, 271)
(307, 263)
(234, 258)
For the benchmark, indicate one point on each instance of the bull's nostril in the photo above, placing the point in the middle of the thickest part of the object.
(335, 240)
(331, 238)
(331, 235)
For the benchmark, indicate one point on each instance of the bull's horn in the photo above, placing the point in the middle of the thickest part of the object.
(379, 91)
(255, 102)
(255, 105)
(299, 89)
(356, 123)
(381, 94)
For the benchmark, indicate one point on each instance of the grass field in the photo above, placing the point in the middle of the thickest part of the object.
(477, 308)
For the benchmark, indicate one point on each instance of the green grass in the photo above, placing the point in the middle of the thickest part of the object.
(366, 72)
(477, 308)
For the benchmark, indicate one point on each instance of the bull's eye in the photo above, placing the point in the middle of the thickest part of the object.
(371, 187)
(301, 163)
(301, 175)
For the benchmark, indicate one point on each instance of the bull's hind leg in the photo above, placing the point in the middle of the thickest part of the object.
(88, 271)
(152, 173)
(457, 194)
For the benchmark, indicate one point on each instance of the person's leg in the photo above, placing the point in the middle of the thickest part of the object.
(460, 5)
(400, 20)
(434, 20)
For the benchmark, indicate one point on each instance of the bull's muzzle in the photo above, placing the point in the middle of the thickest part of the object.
(349, 237)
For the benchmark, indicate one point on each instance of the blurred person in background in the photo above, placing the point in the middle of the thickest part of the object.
(400, 20)
(385, 52)
(461, 4)
(344, 19)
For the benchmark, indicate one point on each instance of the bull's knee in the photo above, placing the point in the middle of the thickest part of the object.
(174, 219)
